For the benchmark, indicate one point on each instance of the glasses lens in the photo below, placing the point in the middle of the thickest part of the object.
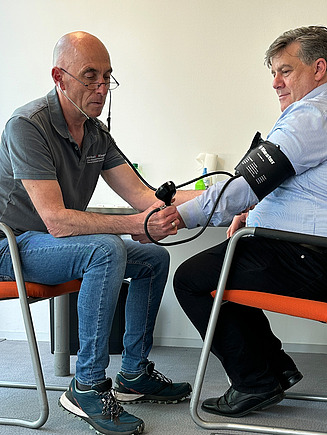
(111, 85)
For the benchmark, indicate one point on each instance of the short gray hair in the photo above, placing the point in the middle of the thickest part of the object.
(312, 39)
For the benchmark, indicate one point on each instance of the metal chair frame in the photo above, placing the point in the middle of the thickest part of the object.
(223, 425)
(62, 354)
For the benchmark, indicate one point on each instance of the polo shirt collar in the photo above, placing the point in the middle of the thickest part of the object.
(56, 116)
(58, 120)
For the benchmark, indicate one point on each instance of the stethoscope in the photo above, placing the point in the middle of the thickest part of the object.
(166, 191)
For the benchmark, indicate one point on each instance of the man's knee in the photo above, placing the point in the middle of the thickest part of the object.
(157, 256)
(109, 246)
(198, 274)
(163, 256)
(182, 280)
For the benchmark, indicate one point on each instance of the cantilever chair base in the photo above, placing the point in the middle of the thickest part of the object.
(28, 293)
(319, 312)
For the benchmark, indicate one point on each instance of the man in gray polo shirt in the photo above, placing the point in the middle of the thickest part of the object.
(52, 153)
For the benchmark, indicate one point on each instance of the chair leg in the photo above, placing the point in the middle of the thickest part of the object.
(38, 374)
(223, 425)
(36, 362)
(61, 336)
(33, 348)
(309, 397)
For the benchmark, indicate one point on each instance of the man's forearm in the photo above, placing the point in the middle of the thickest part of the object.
(73, 222)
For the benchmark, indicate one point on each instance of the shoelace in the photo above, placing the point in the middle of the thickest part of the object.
(111, 407)
(160, 377)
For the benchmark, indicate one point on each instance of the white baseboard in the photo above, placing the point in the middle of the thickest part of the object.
(177, 342)
(20, 335)
(305, 347)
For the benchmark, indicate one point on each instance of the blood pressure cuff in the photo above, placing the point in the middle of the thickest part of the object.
(264, 167)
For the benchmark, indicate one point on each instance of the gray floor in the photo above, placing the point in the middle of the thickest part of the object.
(177, 363)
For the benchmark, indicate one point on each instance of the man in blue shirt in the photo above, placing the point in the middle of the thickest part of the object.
(259, 370)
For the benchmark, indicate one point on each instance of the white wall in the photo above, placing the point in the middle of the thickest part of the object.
(192, 80)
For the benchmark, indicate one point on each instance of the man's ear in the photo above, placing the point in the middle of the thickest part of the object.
(321, 68)
(57, 77)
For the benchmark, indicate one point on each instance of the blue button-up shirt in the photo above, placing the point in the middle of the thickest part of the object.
(299, 203)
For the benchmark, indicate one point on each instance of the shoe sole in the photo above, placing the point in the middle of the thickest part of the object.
(260, 406)
(127, 398)
(75, 412)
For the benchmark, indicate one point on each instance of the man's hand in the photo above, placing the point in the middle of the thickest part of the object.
(237, 222)
(161, 224)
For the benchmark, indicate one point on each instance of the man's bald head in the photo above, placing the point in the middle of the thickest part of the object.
(80, 58)
(74, 45)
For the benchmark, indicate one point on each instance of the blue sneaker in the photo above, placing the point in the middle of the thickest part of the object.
(99, 408)
(150, 386)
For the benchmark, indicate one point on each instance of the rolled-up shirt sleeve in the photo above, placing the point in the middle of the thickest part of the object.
(237, 197)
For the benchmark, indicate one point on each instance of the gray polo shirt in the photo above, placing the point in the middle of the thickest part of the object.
(37, 145)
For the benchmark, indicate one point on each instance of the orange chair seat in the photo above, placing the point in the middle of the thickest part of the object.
(297, 307)
(8, 289)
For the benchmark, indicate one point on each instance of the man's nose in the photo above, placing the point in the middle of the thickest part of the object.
(278, 81)
(102, 89)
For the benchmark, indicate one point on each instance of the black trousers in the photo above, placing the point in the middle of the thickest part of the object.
(250, 353)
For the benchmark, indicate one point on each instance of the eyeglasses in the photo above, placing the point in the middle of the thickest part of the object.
(111, 85)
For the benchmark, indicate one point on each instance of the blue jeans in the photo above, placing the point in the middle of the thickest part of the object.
(102, 261)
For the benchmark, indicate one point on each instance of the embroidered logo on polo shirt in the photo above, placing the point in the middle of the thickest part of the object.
(95, 159)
